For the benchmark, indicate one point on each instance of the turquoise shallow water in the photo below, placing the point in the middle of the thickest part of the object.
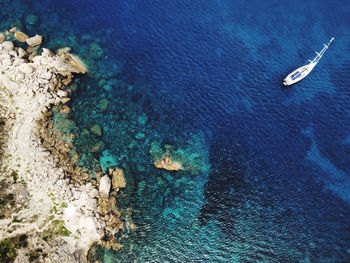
(206, 77)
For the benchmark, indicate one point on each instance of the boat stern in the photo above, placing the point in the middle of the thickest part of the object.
(286, 82)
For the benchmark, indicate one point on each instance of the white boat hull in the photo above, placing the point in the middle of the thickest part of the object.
(298, 74)
(305, 70)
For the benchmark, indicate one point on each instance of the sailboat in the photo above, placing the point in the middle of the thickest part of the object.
(303, 71)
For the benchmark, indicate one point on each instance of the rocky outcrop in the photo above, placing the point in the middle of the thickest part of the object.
(167, 164)
(191, 157)
(118, 178)
(57, 205)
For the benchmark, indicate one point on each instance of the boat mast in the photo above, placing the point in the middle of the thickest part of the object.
(319, 55)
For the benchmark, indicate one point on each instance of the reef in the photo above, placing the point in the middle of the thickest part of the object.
(189, 158)
(45, 195)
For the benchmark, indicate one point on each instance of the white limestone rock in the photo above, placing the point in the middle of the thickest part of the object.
(34, 41)
(26, 68)
(47, 53)
(93, 193)
(42, 81)
(62, 93)
(7, 45)
(49, 103)
(46, 75)
(13, 53)
(18, 61)
(81, 225)
(6, 62)
(21, 53)
(57, 101)
(105, 185)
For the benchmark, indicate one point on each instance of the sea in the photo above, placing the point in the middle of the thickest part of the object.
(268, 176)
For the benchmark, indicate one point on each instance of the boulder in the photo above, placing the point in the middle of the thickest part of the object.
(20, 36)
(21, 53)
(105, 185)
(34, 41)
(65, 100)
(65, 109)
(77, 65)
(118, 179)
(62, 93)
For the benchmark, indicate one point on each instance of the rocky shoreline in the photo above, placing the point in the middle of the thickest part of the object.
(49, 203)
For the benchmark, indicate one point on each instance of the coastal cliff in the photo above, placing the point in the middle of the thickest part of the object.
(45, 215)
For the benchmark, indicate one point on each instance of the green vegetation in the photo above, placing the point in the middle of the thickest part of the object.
(15, 220)
(59, 228)
(2, 124)
(33, 255)
(8, 248)
(56, 228)
(5, 200)
(14, 176)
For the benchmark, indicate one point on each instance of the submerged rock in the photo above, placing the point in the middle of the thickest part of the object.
(95, 50)
(31, 19)
(141, 187)
(107, 160)
(96, 129)
(142, 119)
(98, 147)
(140, 136)
(104, 104)
(161, 182)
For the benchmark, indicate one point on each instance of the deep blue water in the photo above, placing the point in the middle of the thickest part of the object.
(278, 187)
